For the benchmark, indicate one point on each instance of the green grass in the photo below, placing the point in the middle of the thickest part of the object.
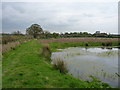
(55, 46)
(25, 67)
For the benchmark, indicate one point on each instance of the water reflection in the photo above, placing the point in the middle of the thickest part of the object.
(84, 62)
(102, 47)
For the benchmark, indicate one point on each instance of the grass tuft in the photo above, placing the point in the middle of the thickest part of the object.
(61, 66)
(107, 44)
(46, 51)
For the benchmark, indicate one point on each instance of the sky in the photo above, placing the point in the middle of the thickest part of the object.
(60, 16)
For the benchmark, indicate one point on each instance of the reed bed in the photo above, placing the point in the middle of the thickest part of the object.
(7, 47)
(60, 65)
(85, 39)
(11, 45)
(8, 39)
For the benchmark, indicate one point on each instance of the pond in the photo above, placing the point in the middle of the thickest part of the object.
(101, 63)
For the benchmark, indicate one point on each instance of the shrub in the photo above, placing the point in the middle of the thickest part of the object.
(61, 66)
(103, 44)
(13, 48)
(46, 51)
(119, 43)
(86, 44)
(109, 44)
(6, 39)
(12, 45)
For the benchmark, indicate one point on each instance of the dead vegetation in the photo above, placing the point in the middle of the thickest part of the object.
(46, 51)
(60, 65)
(7, 47)
(85, 39)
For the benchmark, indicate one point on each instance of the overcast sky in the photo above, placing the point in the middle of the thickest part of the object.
(62, 16)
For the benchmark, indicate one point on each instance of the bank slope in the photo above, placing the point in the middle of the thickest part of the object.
(25, 67)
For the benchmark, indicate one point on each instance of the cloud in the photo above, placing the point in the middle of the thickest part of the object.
(60, 17)
(0, 17)
(60, 0)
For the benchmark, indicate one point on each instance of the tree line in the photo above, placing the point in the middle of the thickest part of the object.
(36, 31)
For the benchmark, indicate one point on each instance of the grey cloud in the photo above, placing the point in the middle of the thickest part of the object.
(60, 17)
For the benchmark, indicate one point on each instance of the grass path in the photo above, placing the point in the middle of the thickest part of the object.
(25, 67)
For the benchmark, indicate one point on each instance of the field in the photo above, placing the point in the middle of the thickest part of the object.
(26, 67)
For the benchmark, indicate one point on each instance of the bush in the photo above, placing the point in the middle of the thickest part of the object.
(6, 39)
(46, 51)
(103, 44)
(86, 44)
(107, 44)
(61, 66)
(13, 48)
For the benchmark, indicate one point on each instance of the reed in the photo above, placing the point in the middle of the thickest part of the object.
(107, 44)
(60, 65)
(9, 46)
(85, 39)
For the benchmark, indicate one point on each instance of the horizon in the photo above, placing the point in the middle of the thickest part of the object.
(63, 32)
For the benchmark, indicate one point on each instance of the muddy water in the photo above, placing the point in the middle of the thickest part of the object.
(84, 62)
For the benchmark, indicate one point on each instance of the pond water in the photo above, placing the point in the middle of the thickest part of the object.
(84, 62)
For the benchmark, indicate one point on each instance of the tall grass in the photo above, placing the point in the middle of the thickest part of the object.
(60, 65)
(46, 51)
(6, 39)
(85, 39)
(107, 44)
(12, 45)
(12, 38)
(9, 46)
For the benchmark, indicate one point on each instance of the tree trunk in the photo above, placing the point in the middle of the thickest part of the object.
(34, 36)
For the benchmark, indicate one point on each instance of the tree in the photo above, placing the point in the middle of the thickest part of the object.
(34, 30)
(47, 34)
(17, 33)
(55, 35)
(85, 33)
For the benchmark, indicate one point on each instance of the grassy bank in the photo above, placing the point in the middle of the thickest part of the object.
(25, 67)
(55, 46)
